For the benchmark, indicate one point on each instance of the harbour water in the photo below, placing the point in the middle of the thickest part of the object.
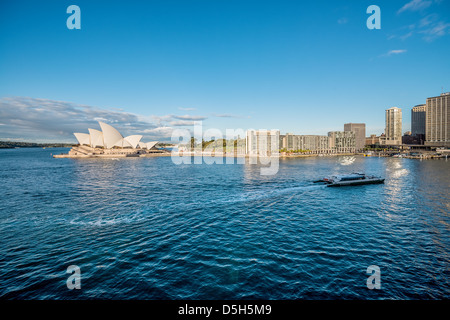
(145, 228)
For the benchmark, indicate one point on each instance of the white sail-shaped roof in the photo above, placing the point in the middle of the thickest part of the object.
(151, 144)
(134, 140)
(142, 145)
(111, 137)
(83, 138)
(96, 138)
(122, 143)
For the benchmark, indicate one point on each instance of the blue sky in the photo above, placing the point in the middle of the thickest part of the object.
(301, 67)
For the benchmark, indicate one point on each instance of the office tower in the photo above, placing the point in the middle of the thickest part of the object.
(360, 133)
(437, 122)
(393, 128)
(418, 115)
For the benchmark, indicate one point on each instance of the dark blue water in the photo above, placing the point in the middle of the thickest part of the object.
(149, 229)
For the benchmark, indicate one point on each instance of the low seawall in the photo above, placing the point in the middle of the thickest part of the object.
(204, 154)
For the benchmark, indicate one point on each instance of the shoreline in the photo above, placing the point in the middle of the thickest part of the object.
(152, 155)
(149, 155)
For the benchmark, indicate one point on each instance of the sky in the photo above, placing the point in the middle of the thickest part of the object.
(305, 67)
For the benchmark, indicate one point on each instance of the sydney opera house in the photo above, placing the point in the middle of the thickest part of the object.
(110, 142)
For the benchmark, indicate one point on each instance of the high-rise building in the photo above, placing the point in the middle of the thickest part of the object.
(418, 115)
(393, 128)
(437, 122)
(262, 142)
(360, 133)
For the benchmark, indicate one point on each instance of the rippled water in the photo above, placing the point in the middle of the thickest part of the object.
(149, 229)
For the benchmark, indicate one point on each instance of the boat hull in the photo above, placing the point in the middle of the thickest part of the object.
(355, 183)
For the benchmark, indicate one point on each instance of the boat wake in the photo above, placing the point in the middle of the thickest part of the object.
(105, 220)
(346, 160)
(149, 211)
(263, 195)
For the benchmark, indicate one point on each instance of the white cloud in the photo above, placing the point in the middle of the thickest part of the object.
(415, 5)
(427, 20)
(436, 30)
(393, 52)
(180, 123)
(430, 26)
(37, 120)
(50, 120)
(159, 131)
(189, 117)
(406, 36)
(227, 115)
(160, 119)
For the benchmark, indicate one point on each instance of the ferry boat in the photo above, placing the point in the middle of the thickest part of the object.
(352, 179)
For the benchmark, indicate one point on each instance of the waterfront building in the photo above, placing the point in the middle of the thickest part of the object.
(315, 143)
(437, 121)
(281, 141)
(108, 138)
(372, 140)
(262, 142)
(418, 119)
(393, 128)
(360, 134)
(342, 141)
(334, 142)
(418, 116)
(109, 141)
(309, 143)
(290, 141)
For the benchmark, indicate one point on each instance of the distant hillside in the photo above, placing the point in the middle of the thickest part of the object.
(13, 144)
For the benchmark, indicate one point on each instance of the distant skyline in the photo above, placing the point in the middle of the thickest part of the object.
(305, 68)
